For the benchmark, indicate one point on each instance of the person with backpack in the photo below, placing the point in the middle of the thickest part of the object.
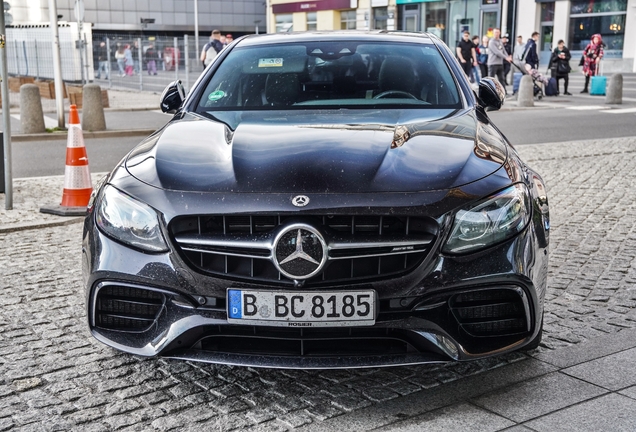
(531, 55)
(212, 48)
(518, 52)
(560, 61)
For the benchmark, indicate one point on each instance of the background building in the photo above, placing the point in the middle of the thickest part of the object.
(169, 17)
(575, 21)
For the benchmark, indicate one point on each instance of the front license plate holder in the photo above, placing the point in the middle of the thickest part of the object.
(346, 308)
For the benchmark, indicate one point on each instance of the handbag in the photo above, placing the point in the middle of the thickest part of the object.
(563, 68)
(582, 62)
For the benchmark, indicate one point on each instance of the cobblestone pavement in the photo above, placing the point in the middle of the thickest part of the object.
(55, 376)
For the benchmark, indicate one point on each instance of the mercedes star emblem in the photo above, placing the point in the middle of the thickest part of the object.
(300, 252)
(300, 200)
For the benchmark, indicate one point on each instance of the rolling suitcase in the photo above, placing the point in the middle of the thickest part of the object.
(598, 82)
(597, 85)
(516, 79)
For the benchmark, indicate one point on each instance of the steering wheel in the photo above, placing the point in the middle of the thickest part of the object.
(394, 92)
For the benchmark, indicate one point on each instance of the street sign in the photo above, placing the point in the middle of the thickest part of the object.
(78, 10)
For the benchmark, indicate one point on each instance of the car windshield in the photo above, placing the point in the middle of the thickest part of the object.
(331, 74)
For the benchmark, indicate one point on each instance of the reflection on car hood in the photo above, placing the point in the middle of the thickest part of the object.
(329, 151)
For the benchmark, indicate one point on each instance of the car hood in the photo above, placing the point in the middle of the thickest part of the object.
(330, 151)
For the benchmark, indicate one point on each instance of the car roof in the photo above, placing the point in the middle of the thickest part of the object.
(339, 36)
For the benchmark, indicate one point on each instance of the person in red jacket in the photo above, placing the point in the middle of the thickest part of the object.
(592, 55)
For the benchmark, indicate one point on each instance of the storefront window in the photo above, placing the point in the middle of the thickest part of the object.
(380, 17)
(348, 20)
(283, 23)
(605, 17)
(597, 6)
(610, 27)
(547, 11)
(435, 19)
(463, 15)
(312, 21)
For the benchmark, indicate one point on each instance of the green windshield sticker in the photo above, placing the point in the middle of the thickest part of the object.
(216, 95)
(270, 62)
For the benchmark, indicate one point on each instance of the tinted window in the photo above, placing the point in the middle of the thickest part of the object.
(328, 74)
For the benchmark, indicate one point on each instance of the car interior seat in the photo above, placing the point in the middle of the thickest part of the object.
(397, 74)
(281, 89)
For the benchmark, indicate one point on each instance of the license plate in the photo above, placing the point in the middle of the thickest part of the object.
(301, 308)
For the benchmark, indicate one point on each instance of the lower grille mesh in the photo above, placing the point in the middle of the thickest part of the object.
(306, 342)
(124, 308)
(490, 312)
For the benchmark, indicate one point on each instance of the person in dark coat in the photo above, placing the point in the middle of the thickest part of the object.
(560, 61)
(532, 57)
(150, 56)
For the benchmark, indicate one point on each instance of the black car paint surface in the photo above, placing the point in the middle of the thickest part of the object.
(423, 164)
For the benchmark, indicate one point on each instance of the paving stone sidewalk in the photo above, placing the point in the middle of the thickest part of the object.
(54, 376)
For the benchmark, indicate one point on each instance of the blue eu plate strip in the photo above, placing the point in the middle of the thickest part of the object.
(235, 307)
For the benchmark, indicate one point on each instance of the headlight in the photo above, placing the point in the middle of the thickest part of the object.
(129, 221)
(492, 220)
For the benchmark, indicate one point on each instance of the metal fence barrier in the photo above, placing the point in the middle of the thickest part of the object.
(156, 61)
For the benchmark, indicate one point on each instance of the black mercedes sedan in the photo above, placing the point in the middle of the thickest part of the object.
(321, 200)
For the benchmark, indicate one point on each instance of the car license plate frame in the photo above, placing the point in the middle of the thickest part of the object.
(286, 309)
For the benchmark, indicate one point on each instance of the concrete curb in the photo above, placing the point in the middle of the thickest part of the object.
(39, 225)
(87, 134)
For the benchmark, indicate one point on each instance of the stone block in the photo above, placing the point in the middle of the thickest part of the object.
(31, 115)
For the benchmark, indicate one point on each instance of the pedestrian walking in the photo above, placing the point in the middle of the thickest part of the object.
(505, 39)
(150, 56)
(102, 58)
(592, 55)
(120, 56)
(532, 56)
(466, 54)
(497, 55)
(518, 52)
(482, 57)
(560, 64)
(128, 58)
(134, 50)
(476, 70)
(212, 48)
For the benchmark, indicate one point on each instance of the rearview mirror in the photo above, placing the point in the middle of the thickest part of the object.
(491, 94)
(172, 97)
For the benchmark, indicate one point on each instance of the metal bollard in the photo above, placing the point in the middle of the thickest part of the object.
(526, 92)
(92, 109)
(614, 94)
(31, 115)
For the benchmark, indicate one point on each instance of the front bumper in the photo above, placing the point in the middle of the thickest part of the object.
(416, 322)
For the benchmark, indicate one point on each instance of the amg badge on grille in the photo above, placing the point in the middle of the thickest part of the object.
(300, 252)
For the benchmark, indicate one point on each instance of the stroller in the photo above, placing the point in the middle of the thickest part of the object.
(538, 80)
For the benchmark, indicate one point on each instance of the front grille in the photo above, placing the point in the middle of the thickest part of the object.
(306, 342)
(491, 312)
(361, 248)
(124, 308)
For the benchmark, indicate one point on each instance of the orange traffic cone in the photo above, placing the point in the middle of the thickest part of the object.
(77, 177)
